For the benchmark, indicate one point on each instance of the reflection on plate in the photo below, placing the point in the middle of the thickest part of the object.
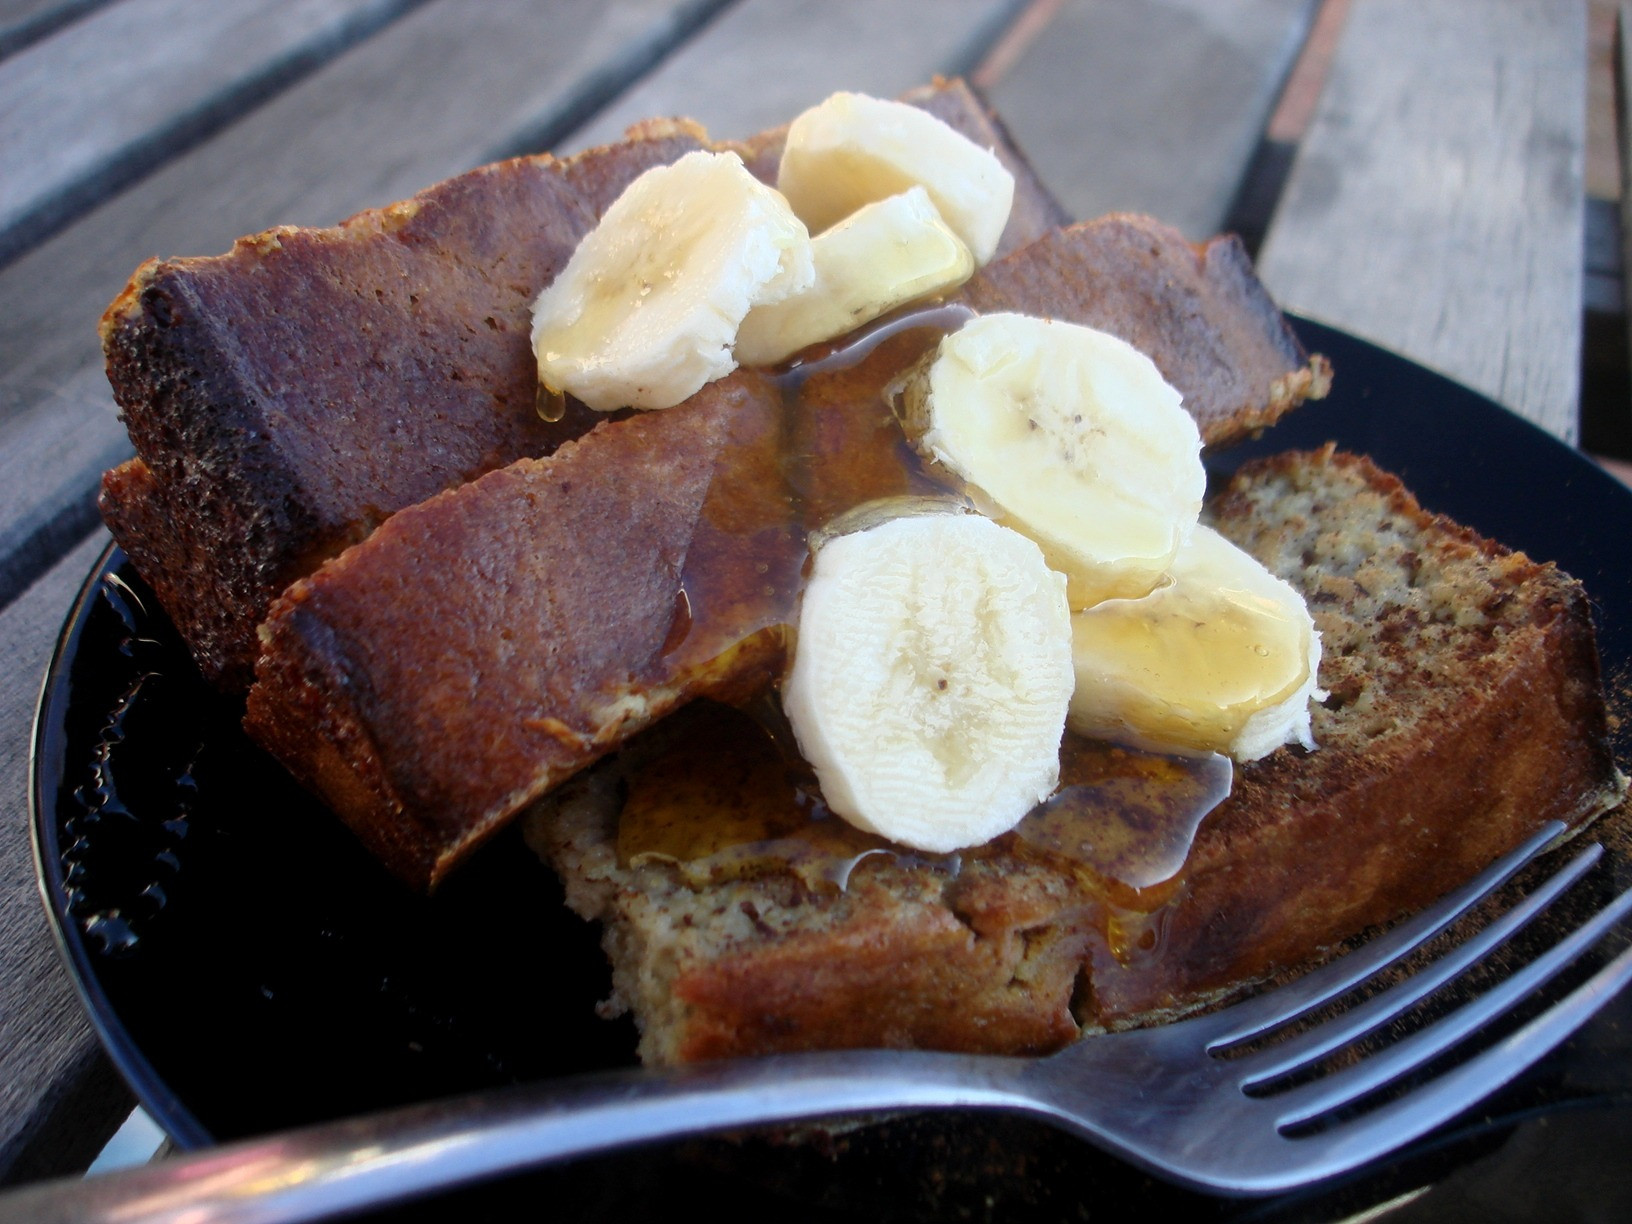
(250, 968)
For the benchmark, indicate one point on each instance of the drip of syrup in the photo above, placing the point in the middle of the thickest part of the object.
(719, 794)
(551, 406)
(808, 446)
(719, 797)
(852, 350)
(1127, 816)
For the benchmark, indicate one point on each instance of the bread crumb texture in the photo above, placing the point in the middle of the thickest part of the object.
(1409, 604)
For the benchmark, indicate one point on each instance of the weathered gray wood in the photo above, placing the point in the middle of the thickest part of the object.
(429, 96)
(59, 1098)
(763, 62)
(1152, 108)
(1435, 205)
(26, 21)
(1623, 140)
(112, 95)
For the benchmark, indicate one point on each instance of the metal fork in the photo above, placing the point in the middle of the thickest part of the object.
(1165, 1098)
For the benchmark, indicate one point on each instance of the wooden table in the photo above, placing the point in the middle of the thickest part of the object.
(1434, 205)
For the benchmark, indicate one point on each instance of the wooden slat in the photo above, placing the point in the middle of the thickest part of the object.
(1623, 141)
(23, 22)
(1436, 203)
(763, 62)
(1152, 108)
(59, 1098)
(429, 96)
(89, 109)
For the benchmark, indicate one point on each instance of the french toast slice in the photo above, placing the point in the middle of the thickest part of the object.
(1465, 712)
(287, 397)
(493, 640)
(343, 695)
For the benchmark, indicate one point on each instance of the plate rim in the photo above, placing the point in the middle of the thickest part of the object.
(152, 1093)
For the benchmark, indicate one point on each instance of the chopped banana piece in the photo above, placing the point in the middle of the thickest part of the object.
(852, 150)
(647, 309)
(1220, 657)
(881, 256)
(930, 678)
(1070, 436)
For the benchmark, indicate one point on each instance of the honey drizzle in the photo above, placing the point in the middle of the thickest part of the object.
(721, 796)
(806, 446)
(551, 406)
(728, 797)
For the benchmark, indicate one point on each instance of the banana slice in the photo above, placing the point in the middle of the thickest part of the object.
(852, 149)
(930, 679)
(1222, 657)
(646, 310)
(1070, 436)
(881, 256)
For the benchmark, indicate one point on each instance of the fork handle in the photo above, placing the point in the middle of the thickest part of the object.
(384, 1158)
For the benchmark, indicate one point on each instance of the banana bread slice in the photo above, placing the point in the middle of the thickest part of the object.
(1465, 711)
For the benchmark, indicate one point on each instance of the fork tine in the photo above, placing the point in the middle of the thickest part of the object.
(1258, 1015)
(1290, 1162)
(1322, 1039)
(1311, 1100)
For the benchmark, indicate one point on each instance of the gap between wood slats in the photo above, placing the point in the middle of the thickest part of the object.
(23, 22)
(1153, 108)
(31, 211)
(763, 61)
(603, 85)
(1261, 186)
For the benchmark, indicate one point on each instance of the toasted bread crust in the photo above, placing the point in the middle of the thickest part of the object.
(1466, 713)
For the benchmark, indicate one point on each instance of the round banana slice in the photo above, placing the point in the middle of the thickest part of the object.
(646, 310)
(852, 149)
(881, 256)
(1069, 435)
(930, 679)
(1221, 657)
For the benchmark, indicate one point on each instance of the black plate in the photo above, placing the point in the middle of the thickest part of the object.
(250, 968)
